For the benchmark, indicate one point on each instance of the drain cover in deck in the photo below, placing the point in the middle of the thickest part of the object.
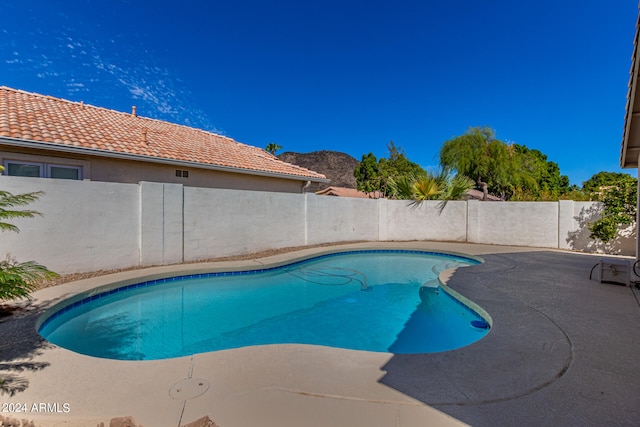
(189, 388)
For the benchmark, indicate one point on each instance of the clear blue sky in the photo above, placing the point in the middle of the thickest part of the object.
(343, 75)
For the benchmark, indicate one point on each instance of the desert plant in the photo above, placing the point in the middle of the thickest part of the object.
(426, 188)
(18, 280)
(433, 186)
(8, 200)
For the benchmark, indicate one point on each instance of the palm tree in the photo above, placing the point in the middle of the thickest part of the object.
(272, 147)
(426, 188)
(18, 280)
(433, 186)
(8, 200)
(456, 189)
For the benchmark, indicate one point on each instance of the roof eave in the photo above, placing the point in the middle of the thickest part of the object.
(631, 134)
(17, 142)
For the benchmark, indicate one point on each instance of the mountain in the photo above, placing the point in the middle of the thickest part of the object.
(336, 166)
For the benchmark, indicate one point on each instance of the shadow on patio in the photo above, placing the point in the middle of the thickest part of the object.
(20, 344)
(562, 349)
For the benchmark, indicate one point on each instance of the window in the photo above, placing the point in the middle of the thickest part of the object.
(64, 172)
(23, 169)
(42, 170)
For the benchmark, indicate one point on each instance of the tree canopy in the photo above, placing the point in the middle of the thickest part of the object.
(618, 193)
(378, 174)
(600, 181)
(511, 171)
(368, 174)
(272, 147)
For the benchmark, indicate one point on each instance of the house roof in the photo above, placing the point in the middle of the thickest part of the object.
(631, 134)
(352, 192)
(473, 194)
(33, 120)
(348, 192)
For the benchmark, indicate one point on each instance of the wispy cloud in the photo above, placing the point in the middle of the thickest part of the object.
(107, 72)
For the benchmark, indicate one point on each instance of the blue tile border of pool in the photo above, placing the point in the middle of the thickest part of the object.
(147, 283)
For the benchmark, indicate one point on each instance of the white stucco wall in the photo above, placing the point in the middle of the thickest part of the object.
(513, 223)
(340, 219)
(85, 226)
(90, 225)
(231, 222)
(426, 221)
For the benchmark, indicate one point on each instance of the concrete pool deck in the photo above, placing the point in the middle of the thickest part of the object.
(563, 350)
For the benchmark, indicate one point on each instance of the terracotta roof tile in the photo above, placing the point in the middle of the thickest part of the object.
(348, 192)
(33, 117)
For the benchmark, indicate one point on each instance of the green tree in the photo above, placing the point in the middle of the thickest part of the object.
(378, 174)
(397, 164)
(602, 180)
(481, 157)
(272, 147)
(511, 171)
(534, 177)
(18, 280)
(367, 174)
(619, 194)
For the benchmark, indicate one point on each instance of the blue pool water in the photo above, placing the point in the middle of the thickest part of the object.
(365, 300)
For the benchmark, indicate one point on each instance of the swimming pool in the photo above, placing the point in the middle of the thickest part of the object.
(374, 300)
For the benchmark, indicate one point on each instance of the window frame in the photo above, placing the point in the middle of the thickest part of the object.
(24, 162)
(45, 168)
(48, 167)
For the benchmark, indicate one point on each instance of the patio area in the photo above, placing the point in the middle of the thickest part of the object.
(563, 350)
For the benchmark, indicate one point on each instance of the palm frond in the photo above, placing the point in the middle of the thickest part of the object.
(426, 188)
(456, 189)
(8, 200)
(18, 280)
(402, 187)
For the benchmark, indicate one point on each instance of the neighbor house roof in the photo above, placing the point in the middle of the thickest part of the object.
(38, 121)
(348, 192)
(352, 192)
(631, 134)
(473, 194)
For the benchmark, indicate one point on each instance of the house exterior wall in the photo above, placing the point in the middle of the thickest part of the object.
(107, 169)
(90, 225)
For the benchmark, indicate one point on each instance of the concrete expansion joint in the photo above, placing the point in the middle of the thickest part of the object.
(341, 397)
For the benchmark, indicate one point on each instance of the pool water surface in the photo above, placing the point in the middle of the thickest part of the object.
(384, 301)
